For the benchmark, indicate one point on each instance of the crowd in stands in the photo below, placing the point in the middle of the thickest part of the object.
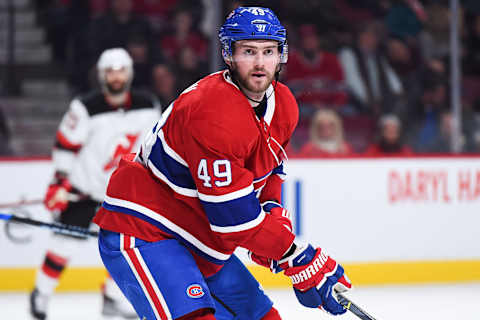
(371, 77)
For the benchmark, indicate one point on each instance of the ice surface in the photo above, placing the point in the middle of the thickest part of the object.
(437, 302)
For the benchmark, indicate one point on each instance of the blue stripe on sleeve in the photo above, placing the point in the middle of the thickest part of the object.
(174, 171)
(232, 212)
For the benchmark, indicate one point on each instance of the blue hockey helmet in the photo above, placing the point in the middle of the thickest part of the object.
(252, 23)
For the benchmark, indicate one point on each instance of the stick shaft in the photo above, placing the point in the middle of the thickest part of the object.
(72, 197)
(20, 203)
(353, 308)
(57, 227)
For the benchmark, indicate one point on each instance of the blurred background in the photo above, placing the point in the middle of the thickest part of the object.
(386, 77)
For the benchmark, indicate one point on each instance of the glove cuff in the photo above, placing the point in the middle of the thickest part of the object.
(267, 206)
(301, 255)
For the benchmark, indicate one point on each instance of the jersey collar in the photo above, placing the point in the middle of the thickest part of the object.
(270, 93)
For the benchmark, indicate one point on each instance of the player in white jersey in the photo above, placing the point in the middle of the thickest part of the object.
(95, 132)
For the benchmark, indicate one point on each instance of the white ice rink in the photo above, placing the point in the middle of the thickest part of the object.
(452, 302)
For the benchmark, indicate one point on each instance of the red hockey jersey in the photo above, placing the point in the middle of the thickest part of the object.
(203, 171)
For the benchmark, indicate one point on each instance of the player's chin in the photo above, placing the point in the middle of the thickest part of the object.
(259, 84)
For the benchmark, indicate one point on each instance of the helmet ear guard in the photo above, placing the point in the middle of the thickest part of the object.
(252, 23)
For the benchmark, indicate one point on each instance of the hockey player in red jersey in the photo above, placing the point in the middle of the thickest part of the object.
(206, 180)
(97, 129)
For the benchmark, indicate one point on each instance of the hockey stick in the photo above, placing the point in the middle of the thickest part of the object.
(11, 228)
(20, 203)
(353, 308)
(73, 197)
(61, 228)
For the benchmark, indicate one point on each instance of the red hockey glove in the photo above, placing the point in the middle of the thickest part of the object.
(315, 276)
(57, 194)
(266, 262)
(284, 217)
(276, 210)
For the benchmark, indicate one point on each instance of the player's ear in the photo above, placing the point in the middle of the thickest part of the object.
(227, 58)
(228, 61)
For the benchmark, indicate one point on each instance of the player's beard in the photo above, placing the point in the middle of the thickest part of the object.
(247, 82)
(116, 87)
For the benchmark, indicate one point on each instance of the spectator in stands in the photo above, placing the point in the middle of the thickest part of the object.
(5, 148)
(403, 58)
(475, 145)
(164, 84)
(442, 141)
(356, 12)
(183, 35)
(62, 20)
(435, 38)
(405, 19)
(156, 11)
(326, 136)
(323, 14)
(407, 62)
(390, 142)
(315, 76)
(475, 127)
(112, 29)
(471, 60)
(143, 61)
(190, 67)
(426, 117)
(373, 84)
(116, 26)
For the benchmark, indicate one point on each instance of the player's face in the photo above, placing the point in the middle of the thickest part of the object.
(391, 132)
(255, 63)
(116, 79)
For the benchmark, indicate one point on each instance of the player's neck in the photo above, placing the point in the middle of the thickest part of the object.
(254, 98)
(117, 100)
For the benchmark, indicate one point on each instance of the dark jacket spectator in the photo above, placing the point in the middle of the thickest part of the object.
(372, 82)
(315, 76)
(143, 61)
(116, 26)
(164, 84)
(190, 68)
(471, 60)
(425, 119)
(113, 29)
(407, 63)
(184, 35)
(405, 18)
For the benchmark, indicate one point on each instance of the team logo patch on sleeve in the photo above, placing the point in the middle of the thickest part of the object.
(195, 291)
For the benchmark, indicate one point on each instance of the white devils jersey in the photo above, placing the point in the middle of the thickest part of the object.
(93, 135)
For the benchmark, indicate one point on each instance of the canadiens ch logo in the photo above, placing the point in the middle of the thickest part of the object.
(195, 291)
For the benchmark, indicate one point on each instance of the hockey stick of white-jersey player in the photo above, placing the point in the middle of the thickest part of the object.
(352, 307)
(61, 228)
(70, 197)
(21, 203)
